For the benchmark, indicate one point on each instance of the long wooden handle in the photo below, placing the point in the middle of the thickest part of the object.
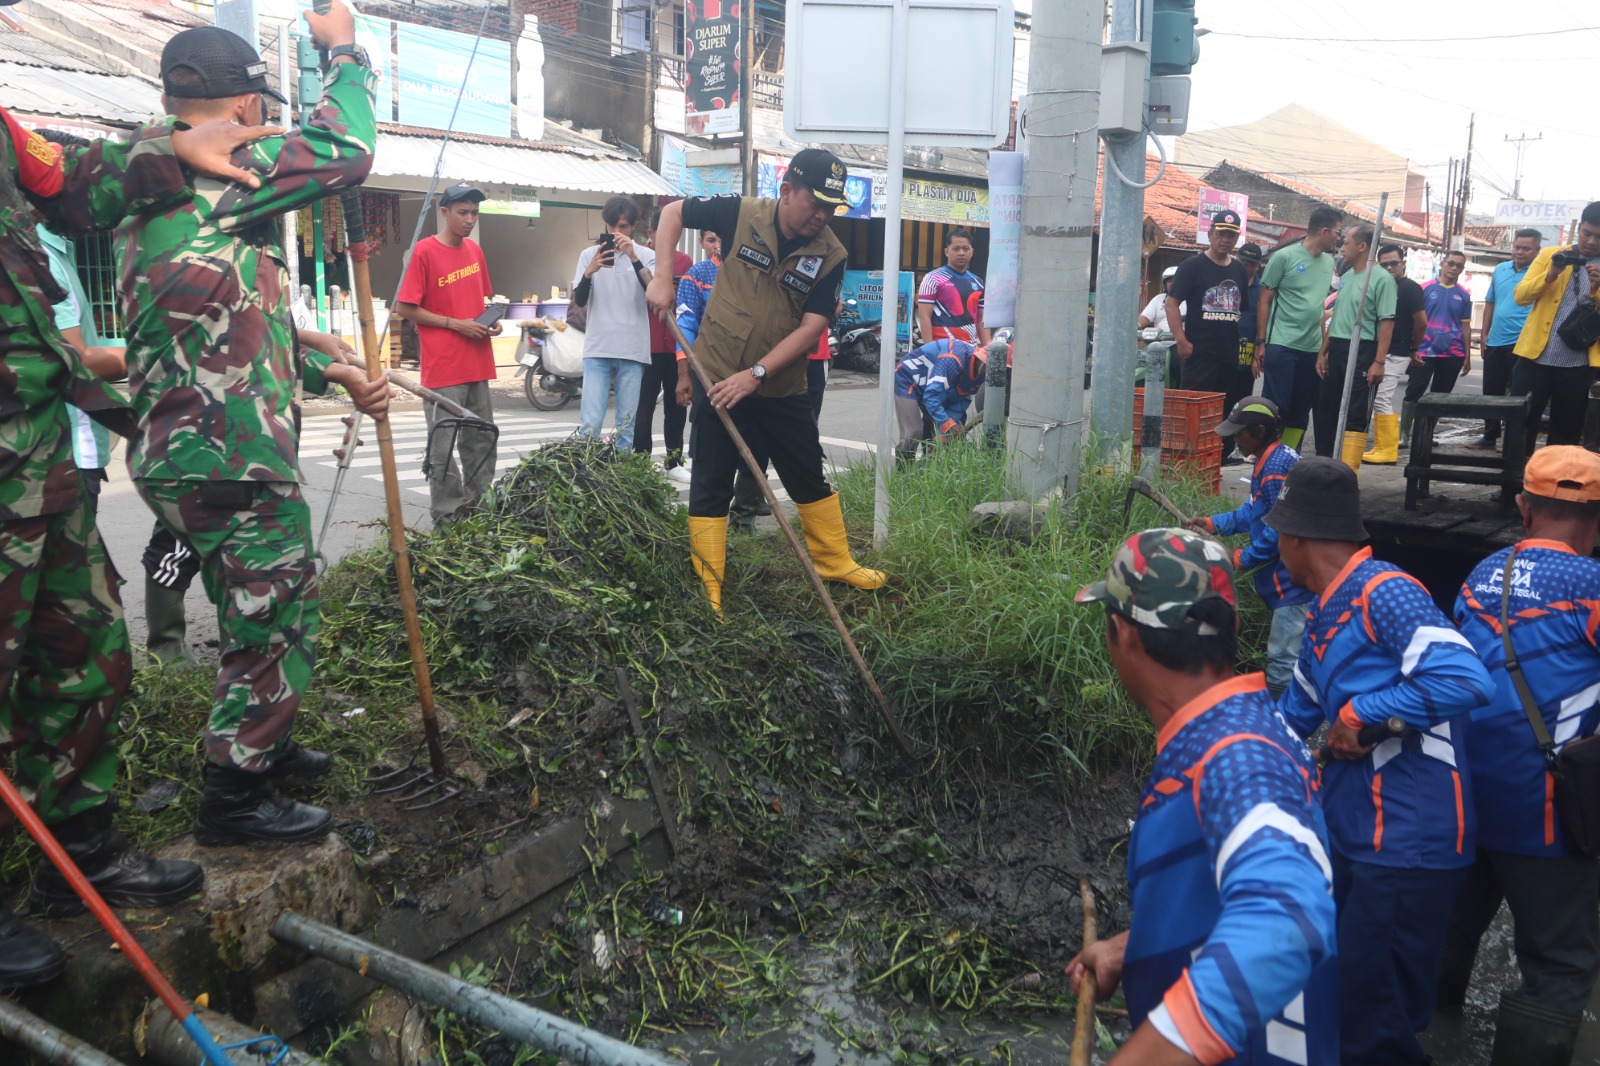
(699, 371)
(355, 234)
(1083, 1032)
(421, 391)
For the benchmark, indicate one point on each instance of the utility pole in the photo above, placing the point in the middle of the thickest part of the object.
(1044, 446)
(1121, 257)
(1522, 146)
(1466, 179)
(747, 87)
(1449, 204)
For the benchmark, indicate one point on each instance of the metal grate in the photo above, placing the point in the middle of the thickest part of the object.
(97, 269)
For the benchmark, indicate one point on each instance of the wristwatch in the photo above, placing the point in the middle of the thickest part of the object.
(354, 51)
(758, 372)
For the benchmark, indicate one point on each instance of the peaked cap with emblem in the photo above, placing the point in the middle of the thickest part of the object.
(1159, 575)
(821, 172)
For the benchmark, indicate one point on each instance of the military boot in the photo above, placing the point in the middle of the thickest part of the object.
(238, 807)
(123, 876)
(27, 956)
(291, 761)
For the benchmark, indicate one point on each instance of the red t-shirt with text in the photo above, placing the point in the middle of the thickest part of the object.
(451, 282)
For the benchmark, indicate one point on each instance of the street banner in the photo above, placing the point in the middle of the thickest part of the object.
(865, 287)
(432, 68)
(1005, 239)
(1214, 200)
(938, 201)
(711, 62)
(722, 179)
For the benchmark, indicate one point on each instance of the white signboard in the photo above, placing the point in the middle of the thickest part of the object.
(1537, 212)
(837, 75)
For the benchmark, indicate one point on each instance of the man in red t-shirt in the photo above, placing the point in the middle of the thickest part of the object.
(443, 294)
(661, 376)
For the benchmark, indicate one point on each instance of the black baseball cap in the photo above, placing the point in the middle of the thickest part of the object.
(1250, 253)
(1250, 411)
(1321, 500)
(224, 61)
(460, 191)
(1227, 221)
(820, 171)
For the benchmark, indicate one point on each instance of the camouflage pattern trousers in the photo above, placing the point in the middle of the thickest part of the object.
(64, 661)
(253, 539)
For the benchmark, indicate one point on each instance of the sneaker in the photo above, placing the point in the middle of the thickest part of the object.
(1485, 444)
(680, 474)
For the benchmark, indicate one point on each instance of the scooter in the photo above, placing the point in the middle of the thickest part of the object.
(548, 380)
(856, 343)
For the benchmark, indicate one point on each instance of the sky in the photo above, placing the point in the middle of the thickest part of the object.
(1350, 60)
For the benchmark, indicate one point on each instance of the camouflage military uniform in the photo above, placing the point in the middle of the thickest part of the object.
(213, 370)
(64, 658)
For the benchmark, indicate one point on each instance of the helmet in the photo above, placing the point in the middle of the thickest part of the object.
(1169, 273)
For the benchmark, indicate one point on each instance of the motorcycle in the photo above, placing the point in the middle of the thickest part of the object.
(551, 370)
(856, 343)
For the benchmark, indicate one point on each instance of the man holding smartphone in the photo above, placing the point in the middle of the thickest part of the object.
(442, 295)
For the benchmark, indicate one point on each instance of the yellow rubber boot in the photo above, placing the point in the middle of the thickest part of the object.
(823, 522)
(708, 552)
(1386, 451)
(1354, 445)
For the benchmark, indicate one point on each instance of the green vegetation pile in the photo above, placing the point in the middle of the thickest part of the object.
(949, 885)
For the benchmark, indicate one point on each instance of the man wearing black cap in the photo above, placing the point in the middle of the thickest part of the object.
(1254, 425)
(443, 293)
(213, 372)
(1399, 808)
(1212, 287)
(776, 292)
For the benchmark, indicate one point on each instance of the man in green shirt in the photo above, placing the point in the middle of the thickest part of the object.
(213, 373)
(1289, 321)
(1376, 327)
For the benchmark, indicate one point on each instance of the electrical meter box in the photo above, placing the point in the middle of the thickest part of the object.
(1122, 75)
(1169, 106)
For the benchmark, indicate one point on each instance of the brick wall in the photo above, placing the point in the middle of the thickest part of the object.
(552, 14)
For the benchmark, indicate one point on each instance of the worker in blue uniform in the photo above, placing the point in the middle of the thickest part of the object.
(1525, 856)
(1255, 426)
(1399, 810)
(934, 385)
(1231, 953)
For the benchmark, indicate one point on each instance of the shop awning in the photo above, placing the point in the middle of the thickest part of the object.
(474, 160)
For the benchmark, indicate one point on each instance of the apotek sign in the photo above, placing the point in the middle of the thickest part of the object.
(1537, 212)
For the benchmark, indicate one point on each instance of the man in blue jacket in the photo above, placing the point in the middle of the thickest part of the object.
(1523, 857)
(1230, 956)
(1255, 426)
(936, 383)
(1399, 811)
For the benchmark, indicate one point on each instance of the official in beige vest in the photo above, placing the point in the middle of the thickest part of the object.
(782, 269)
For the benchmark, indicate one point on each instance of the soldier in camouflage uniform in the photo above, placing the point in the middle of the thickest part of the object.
(213, 372)
(64, 658)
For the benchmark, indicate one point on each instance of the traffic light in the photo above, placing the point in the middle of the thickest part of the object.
(1174, 45)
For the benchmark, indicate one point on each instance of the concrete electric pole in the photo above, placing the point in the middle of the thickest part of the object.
(1522, 146)
(1044, 445)
(1117, 280)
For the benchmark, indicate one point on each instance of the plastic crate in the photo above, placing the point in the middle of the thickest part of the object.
(1188, 419)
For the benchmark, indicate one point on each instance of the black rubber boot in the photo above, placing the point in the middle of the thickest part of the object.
(1531, 1034)
(124, 876)
(238, 807)
(301, 764)
(27, 956)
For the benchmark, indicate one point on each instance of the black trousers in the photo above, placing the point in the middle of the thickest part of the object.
(1331, 393)
(790, 432)
(1434, 375)
(1556, 927)
(1565, 389)
(1208, 371)
(1497, 360)
(816, 384)
(661, 376)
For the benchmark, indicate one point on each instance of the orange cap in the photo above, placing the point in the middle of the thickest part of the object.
(1563, 472)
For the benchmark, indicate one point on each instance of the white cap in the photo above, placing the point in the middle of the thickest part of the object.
(1169, 272)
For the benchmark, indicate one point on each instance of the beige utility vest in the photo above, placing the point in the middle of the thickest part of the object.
(759, 299)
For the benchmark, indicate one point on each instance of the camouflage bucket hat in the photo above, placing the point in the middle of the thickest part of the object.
(1158, 575)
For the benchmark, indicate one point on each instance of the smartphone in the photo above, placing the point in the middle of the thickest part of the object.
(491, 314)
(607, 243)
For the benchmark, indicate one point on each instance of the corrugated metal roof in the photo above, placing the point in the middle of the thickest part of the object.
(557, 138)
(76, 94)
(31, 50)
(401, 155)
